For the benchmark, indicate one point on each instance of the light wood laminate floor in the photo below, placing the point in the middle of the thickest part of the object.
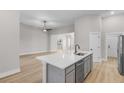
(31, 72)
(105, 72)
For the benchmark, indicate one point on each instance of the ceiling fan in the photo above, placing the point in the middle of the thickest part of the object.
(45, 29)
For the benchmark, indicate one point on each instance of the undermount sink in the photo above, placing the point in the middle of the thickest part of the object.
(80, 54)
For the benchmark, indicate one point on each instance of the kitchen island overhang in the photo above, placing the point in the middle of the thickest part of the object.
(61, 67)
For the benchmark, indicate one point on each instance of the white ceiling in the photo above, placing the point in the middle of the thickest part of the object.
(55, 18)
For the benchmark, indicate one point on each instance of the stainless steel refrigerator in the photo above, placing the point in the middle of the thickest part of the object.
(120, 54)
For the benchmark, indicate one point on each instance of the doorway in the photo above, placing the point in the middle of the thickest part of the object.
(62, 41)
(111, 45)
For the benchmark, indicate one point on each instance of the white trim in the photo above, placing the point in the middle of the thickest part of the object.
(97, 60)
(35, 52)
(104, 59)
(11, 72)
(114, 33)
(28, 53)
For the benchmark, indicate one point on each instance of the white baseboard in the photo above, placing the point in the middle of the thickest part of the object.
(97, 60)
(100, 60)
(35, 52)
(11, 72)
(104, 59)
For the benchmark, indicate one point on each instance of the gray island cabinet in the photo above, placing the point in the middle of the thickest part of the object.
(75, 73)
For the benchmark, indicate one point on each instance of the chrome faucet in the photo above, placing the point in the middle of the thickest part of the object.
(76, 46)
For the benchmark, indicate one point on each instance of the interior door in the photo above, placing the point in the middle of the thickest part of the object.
(112, 46)
(95, 45)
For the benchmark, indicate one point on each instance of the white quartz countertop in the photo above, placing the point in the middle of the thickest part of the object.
(63, 59)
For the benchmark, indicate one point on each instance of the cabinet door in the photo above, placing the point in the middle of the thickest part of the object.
(79, 74)
(89, 65)
(79, 71)
(55, 75)
(91, 62)
(85, 68)
(70, 77)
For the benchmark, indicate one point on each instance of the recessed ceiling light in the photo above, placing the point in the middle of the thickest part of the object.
(112, 12)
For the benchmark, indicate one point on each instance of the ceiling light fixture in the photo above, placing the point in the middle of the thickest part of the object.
(44, 26)
(112, 12)
(44, 30)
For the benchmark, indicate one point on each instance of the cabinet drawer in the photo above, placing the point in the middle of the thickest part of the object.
(69, 69)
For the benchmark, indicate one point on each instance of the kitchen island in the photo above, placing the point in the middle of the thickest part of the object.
(66, 67)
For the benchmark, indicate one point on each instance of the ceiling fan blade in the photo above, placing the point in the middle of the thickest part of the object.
(49, 29)
(44, 27)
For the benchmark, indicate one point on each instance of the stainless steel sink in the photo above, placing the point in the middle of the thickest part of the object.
(80, 54)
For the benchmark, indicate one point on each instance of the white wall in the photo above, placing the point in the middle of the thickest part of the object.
(32, 39)
(9, 39)
(83, 26)
(62, 30)
(113, 23)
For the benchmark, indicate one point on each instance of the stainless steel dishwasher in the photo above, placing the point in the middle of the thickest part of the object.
(79, 71)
